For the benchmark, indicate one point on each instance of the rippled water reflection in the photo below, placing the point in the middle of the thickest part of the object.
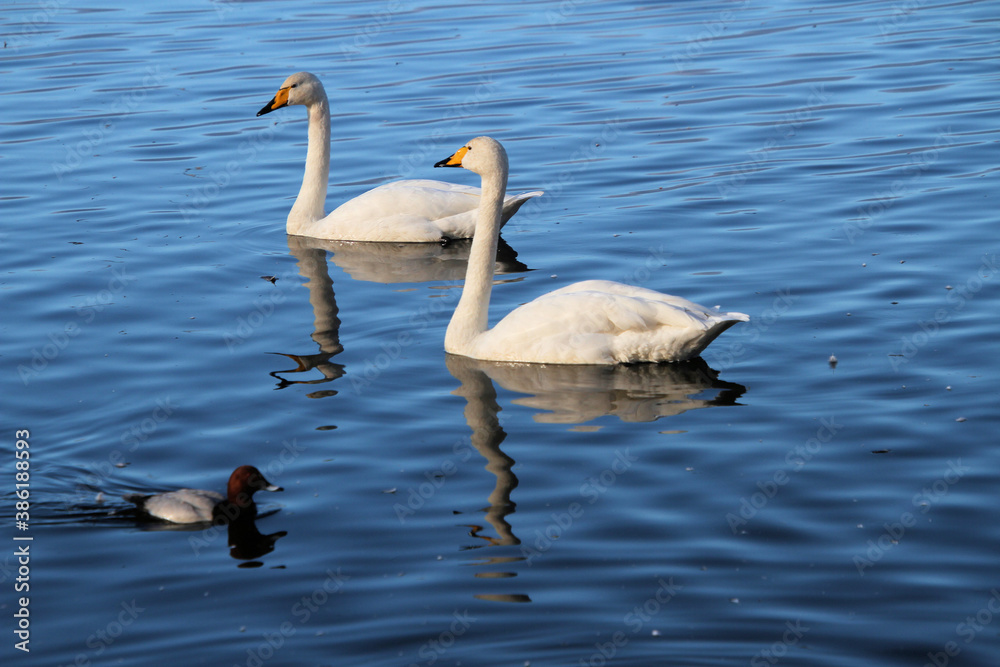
(828, 169)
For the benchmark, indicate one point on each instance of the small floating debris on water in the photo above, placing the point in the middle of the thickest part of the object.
(960, 419)
(122, 464)
(392, 490)
(99, 498)
(948, 388)
(881, 451)
(734, 600)
(655, 633)
(832, 361)
(948, 287)
(271, 279)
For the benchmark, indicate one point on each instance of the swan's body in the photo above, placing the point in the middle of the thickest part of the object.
(590, 322)
(416, 211)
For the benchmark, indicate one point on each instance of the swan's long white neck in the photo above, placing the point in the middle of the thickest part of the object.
(308, 207)
(471, 316)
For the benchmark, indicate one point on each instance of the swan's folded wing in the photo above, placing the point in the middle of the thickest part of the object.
(415, 210)
(606, 322)
(431, 200)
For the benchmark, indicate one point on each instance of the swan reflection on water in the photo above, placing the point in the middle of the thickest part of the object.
(371, 262)
(569, 395)
(575, 394)
(409, 262)
(326, 322)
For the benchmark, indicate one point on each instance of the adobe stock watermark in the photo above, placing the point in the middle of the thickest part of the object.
(695, 46)
(432, 310)
(363, 36)
(642, 272)
(901, 12)
(103, 638)
(795, 459)
(34, 23)
(427, 147)
(958, 297)
(223, 7)
(882, 200)
(634, 621)
(132, 436)
(592, 490)
(784, 130)
(87, 311)
(302, 611)
(418, 496)
(724, 355)
(580, 160)
(272, 470)
(434, 649)
(216, 180)
(967, 631)
(893, 532)
(263, 309)
(563, 12)
(772, 655)
(119, 109)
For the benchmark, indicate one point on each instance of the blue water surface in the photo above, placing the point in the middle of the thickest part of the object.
(829, 169)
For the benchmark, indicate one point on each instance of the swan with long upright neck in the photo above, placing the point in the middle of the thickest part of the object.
(590, 322)
(414, 211)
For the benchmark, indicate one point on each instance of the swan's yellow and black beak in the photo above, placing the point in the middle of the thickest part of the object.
(279, 100)
(455, 160)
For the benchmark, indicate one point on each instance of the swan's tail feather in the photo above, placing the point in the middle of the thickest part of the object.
(514, 202)
(725, 321)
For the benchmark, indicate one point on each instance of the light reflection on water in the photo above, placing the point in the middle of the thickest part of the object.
(827, 169)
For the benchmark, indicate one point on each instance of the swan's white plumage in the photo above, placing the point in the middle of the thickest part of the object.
(603, 322)
(416, 211)
(590, 322)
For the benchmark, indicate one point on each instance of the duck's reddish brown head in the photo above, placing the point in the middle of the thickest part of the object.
(244, 482)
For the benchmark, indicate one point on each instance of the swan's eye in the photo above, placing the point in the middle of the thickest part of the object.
(293, 85)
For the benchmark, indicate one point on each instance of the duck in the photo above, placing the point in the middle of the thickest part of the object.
(589, 322)
(200, 506)
(408, 211)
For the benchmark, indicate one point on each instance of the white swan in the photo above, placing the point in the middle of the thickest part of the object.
(416, 211)
(591, 322)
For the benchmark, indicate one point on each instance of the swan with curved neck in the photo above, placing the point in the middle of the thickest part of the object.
(416, 211)
(590, 322)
